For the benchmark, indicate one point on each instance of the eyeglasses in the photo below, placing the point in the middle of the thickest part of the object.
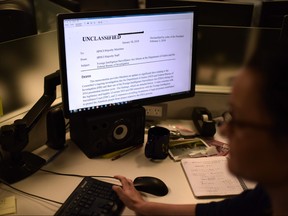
(233, 123)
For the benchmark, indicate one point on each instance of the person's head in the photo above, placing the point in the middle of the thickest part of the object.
(258, 133)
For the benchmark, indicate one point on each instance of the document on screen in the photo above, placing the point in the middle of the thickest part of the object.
(118, 61)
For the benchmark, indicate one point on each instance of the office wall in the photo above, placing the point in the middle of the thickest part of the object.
(217, 103)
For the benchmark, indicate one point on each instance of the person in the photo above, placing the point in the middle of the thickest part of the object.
(258, 138)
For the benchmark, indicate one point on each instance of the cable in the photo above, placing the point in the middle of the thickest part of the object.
(67, 126)
(55, 173)
(75, 175)
(29, 194)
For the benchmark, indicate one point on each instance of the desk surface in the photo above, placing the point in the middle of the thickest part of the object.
(73, 161)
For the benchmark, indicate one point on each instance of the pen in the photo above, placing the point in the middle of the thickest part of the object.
(126, 152)
(113, 154)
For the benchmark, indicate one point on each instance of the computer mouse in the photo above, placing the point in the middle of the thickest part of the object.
(151, 185)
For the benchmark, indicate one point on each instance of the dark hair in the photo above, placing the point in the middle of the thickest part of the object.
(271, 63)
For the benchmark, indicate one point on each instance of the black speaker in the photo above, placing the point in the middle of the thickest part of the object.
(102, 133)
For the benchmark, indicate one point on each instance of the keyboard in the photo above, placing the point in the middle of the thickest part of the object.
(92, 197)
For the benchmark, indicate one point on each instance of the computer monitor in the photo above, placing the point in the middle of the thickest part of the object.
(113, 60)
(213, 12)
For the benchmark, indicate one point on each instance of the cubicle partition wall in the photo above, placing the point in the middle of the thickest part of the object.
(88, 5)
(222, 51)
(213, 12)
(17, 19)
(92, 5)
(272, 13)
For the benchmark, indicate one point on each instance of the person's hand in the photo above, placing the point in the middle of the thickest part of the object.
(128, 194)
(134, 201)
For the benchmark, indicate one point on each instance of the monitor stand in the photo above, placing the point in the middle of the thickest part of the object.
(16, 164)
(18, 167)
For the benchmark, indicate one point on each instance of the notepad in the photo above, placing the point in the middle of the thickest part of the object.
(210, 177)
(8, 205)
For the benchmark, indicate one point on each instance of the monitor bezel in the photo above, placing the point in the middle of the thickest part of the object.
(135, 103)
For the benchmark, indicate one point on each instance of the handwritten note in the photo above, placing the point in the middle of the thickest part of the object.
(209, 177)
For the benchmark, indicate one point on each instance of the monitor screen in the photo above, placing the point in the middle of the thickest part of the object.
(128, 58)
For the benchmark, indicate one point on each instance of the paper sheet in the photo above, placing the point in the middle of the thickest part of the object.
(210, 177)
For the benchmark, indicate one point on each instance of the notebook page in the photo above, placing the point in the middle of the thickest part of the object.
(209, 176)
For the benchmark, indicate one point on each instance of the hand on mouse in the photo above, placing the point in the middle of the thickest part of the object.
(128, 193)
(134, 201)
